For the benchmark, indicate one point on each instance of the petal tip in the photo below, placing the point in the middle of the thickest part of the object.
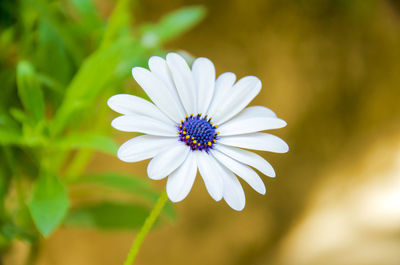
(255, 79)
(172, 199)
(114, 123)
(173, 56)
(155, 58)
(122, 155)
(150, 173)
(217, 199)
(110, 102)
(203, 60)
(216, 195)
(136, 71)
(261, 189)
(238, 209)
(286, 148)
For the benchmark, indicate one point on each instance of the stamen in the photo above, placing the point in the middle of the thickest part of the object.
(198, 132)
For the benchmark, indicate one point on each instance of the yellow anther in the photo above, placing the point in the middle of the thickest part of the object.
(191, 114)
(211, 123)
(180, 125)
(209, 143)
(186, 116)
(184, 132)
(217, 132)
(216, 125)
(214, 141)
(194, 141)
(192, 138)
(181, 121)
(200, 114)
(187, 136)
(198, 144)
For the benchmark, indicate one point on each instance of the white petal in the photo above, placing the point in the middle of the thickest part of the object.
(233, 191)
(159, 67)
(133, 105)
(223, 86)
(243, 171)
(251, 119)
(180, 181)
(184, 82)
(263, 111)
(210, 173)
(256, 141)
(158, 92)
(143, 124)
(144, 147)
(167, 161)
(204, 76)
(248, 158)
(242, 94)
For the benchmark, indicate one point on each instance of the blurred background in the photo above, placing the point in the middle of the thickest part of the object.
(330, 68)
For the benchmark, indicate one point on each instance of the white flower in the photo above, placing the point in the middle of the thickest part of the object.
(197, 122)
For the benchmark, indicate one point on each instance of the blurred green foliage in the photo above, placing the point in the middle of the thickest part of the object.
(59, 60)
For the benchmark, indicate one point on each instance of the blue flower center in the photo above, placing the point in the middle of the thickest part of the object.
(198, 132)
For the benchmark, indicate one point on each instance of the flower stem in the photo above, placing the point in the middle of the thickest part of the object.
(148, 223)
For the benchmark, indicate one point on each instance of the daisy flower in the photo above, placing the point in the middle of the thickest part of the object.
(197, 122)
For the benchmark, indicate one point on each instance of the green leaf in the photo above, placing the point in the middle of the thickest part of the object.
(100, 69)
(172, 25)
(51, 83)
(5, 179)
(9, 132)
(118, 23)
(88, 140)
(7, 90)
(129, 184)
(136, 186)
(108, 215)
(51, 14)
(89, 15)
(12, 231)
(52, 47)
(30, 91)
(49, 203)
(10, 137)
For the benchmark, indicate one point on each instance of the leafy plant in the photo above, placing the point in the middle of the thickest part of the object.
(59, 62)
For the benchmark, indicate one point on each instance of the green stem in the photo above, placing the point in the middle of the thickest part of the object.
(146, 228)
